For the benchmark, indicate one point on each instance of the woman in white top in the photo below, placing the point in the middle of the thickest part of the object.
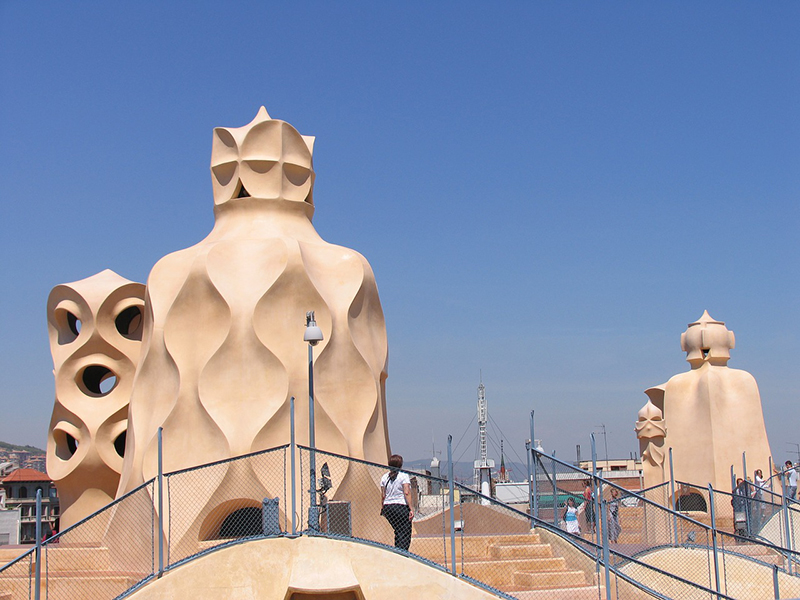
(396, 501)
(761, 484)
(758, 513)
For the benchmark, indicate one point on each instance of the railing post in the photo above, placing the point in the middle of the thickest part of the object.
(789, 540)
(672, 499)
(711, 502)
(603, 523)
(555, 492)
(535, 469)
(744, 465)
(532, 474)
(594, 508)
(771, 476)
(294, 478)
(451, 483)
(530, 482)
(595, 488)
(748, 508)
(313, 509)
(38, 577)
(160, 501)
(775, 588)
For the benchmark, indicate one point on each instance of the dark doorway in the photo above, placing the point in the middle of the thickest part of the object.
(245, 522)
(693, 501)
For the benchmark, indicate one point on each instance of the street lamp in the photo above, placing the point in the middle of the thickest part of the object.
(312, 335)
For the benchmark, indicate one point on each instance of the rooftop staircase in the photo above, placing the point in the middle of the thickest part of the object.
(522, 565)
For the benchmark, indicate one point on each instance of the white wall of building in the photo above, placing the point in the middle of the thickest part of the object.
(9, 526)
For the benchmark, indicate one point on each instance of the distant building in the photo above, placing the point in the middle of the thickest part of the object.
(613, 464)
(20, 488)
(21, 459)
(9, 526)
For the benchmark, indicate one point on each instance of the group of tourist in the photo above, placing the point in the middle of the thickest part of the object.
(750, 499)
(747, 500)
(570, 514)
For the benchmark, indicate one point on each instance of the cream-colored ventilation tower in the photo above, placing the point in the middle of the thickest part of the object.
(222, 346)
(95, 328)
(709, 416)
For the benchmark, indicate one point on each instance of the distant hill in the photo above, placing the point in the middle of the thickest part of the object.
(13, 448)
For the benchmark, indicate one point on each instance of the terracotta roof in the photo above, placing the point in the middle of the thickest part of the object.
(25, 475)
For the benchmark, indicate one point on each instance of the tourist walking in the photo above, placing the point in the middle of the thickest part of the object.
(614, 526)
(588, 504)
(396, 502)
(759, 497)
(790, 480)
(739, 504)
(570, 517)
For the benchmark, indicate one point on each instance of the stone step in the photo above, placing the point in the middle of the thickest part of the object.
(505, 551)
(76, 558)
(9, 553)
(500, 573)
(571, 593)
(555, 563)
(61, 557)
(541, 579)
(436, 548)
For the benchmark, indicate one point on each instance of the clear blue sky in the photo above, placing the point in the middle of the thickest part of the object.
(547, 192)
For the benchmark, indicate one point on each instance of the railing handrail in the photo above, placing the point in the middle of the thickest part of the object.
(16, 560)
(54, 539)
(791, 555)
(630, 493)
(587, 547)
(226, 460)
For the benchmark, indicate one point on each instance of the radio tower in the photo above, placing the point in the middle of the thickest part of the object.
(484, 465)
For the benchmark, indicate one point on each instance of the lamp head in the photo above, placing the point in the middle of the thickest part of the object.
(313, 334)
(326, 483)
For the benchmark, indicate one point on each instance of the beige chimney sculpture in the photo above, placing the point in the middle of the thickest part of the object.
(95, 328)
(221, 326)
(709, 416)
(223, 347)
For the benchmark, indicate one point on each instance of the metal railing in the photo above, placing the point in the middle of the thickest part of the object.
(642, 526)
(634, 548)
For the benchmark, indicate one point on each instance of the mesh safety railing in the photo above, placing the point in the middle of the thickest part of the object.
(642, 526)
(745, 512)
(756, 513)
(496, 546)
(119, 542)
(103, 556)
(347, 503)
(225, 502)
(17, 577)
(631, 545)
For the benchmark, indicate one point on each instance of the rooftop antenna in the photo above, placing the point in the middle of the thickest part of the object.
(797, 452)
(484, 465)
(605, 440)
(503, 472)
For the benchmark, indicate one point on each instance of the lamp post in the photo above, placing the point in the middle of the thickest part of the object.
(312, 335)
